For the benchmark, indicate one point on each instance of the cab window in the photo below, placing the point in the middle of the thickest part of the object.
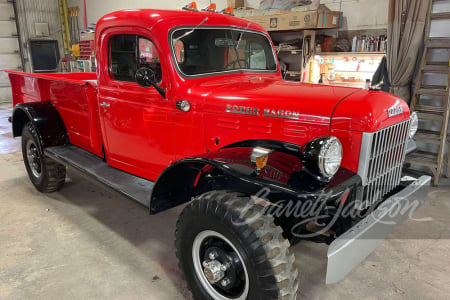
(130, 52)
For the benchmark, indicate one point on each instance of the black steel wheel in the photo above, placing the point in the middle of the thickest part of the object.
(46, 175)
(229, 249)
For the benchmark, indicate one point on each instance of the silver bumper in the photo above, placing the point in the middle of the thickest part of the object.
(353, 246)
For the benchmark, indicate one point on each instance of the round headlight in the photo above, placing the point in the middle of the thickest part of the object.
(413, 124)
(323, 156)
(330, 157)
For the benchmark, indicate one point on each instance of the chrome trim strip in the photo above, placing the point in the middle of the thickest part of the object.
(364, 156)
(353, 246)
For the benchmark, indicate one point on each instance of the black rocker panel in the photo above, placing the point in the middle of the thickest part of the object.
(133, 187)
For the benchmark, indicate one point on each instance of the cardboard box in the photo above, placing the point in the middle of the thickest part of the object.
(299, 20)
(287, 21)
(247, 12)
(243, 12)
(329, 19)
(235, 3)
(328, 44)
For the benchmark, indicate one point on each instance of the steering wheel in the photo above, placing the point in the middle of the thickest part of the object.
(240, 62)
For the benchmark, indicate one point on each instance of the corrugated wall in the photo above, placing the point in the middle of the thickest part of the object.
(42, 11)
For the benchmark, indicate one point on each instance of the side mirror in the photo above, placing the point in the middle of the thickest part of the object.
(146, 77)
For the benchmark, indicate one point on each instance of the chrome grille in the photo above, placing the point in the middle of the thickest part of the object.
(381, 160)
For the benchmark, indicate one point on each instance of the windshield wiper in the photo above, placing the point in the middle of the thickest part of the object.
(240, 36)
(236, 45)
(190, 31)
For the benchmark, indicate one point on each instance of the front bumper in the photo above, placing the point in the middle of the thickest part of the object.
(353, 246)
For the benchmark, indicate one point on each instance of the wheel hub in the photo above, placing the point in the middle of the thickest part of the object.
(220, 267)
(213, 271)
(34, 159)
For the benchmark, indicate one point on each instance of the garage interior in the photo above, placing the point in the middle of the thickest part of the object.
(87, 242)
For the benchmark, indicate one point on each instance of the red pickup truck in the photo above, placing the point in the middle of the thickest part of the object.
(190, 106)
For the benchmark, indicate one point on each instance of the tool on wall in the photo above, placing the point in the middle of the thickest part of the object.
(321, 78)
(74, 30)
(63, 16)
(306, 50)
(309, 38)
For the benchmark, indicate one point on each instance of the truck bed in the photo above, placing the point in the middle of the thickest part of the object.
(73, 78)
(74, 95)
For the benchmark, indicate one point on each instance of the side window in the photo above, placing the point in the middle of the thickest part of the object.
(130, 52)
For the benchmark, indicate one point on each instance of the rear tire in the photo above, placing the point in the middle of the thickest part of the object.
(255, 258)
(46, 174)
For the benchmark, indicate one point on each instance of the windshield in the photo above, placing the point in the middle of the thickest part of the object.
(206, 50)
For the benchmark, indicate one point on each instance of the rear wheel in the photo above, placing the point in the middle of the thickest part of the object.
(229, 249)
(46, 175)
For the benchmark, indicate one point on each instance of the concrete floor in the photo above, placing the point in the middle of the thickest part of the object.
(85, 242)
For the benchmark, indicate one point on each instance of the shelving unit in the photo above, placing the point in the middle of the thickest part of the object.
(293, 58)
(349, 69)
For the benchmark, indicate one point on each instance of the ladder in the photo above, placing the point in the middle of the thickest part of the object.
(431, 102)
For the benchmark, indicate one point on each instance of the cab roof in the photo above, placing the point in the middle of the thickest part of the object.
(167, 19)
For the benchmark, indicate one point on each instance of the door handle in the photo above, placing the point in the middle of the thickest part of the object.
(105, 104)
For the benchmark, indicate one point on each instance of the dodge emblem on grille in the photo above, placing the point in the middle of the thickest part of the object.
(395, 110)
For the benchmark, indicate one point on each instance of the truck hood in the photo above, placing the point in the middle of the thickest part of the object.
(258, 96)
(338, 107)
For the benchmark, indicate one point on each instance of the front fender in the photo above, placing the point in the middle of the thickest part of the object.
(230, 169)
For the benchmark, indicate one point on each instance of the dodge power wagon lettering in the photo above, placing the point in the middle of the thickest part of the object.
(190, 108)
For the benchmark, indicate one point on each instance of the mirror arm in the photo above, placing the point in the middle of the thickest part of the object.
(159, 89)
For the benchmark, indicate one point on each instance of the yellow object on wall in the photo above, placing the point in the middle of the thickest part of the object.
(76, 50)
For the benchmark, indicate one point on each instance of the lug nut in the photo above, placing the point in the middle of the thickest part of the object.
(213, 255)
(224, 267)
(204, 263)
(225, 282)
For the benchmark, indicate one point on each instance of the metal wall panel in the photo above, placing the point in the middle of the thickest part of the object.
(9, 48)
(8, 27)
(9, 60)
(6, 10)
(42, 11)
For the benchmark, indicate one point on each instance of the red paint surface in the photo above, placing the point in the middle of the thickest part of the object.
(142, 133)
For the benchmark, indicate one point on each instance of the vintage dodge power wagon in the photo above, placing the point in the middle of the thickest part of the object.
(189, 107)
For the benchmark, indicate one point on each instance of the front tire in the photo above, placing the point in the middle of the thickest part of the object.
(46, 174)
(229, 249)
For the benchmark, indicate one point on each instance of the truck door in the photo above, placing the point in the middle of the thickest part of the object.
(136, 121)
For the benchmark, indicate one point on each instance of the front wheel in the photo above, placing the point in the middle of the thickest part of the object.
(229, 249)
(46, 175)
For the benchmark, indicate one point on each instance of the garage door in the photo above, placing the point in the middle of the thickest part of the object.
(9, 47)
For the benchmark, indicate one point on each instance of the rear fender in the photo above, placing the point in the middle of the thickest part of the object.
(45, 118)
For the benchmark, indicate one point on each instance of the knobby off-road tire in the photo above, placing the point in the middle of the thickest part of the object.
(221, 229)
(46, 174)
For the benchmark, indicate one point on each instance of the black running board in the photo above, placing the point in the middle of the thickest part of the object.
(133, 187)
